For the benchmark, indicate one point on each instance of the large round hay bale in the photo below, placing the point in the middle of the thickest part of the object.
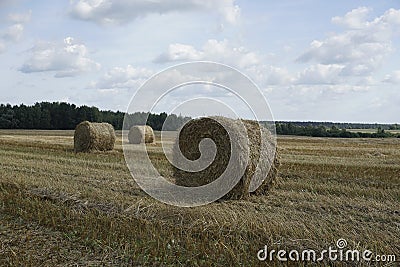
(261, 160)
(90, 136)
(141, 134)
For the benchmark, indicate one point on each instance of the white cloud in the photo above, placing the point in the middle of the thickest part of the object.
(212, 50)
(123, 11)
(355, 19)
(252, 63)
(320, 74)
(14, 32)
(394, 77)
(278, 75)
(180, 52)
(66, 59)
(362, 47)
(122, 78)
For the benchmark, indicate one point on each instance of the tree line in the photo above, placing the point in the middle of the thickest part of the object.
(285, 128)
(65, 116)
(343, 125)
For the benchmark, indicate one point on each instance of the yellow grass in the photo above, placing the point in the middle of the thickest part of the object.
(61, 208)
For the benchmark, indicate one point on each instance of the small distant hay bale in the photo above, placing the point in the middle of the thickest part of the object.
(264, 161)
(91, 136)
(141, 134)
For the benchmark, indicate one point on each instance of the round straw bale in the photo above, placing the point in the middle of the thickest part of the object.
(141, 134)
(261, 160)
(91, 136)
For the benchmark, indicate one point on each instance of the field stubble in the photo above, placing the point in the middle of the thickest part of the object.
(62, 208)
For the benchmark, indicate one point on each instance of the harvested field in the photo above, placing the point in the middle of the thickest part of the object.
(62, 208)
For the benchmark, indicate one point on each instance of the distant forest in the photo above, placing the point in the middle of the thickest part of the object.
(320, 129)
(342, 125)
(65, 116)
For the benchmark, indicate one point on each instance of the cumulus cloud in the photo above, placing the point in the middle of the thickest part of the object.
(363, 45)
(66, 59)
(179, 52)
(320, 74)
(122, 78)
(355, 19)
(212, 50)
(278, 76)
(338, 72)
(14, 32)
(394, 77)
(251, 62)
(123, 11)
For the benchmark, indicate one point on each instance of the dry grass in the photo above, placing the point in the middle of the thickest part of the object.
(62, 208)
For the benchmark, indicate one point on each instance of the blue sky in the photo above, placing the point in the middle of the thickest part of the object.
(313, 60)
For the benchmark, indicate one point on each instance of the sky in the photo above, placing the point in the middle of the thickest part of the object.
(312, 60)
